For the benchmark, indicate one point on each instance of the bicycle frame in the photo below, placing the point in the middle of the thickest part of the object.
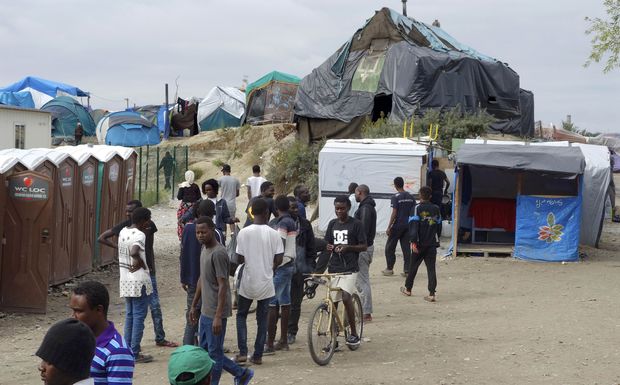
(333, 314)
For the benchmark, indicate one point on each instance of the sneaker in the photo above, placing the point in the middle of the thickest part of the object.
(291, 339)
(239, 359)
(387, 272)
(143, 358)
(245, 378)
(269, 351)
(367, 318)
(281, 346)
(353, 340)
(256, 360)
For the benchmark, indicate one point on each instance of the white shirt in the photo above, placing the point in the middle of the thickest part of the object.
(354, 205)
(254, 183)
(131, 283)
(258, 244)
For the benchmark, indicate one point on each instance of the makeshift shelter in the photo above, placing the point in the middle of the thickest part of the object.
(98, 114)
(184, 117)
(398, 67)
(21, 99)
(527, 198)
(157, 115)
(127, 128)
(43, 90)
(222, 107)
(66, 113)
(271, 99)
(373, 162)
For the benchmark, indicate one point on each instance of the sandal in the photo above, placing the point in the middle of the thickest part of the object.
(167, 344)
(430, 298)
(405, 292)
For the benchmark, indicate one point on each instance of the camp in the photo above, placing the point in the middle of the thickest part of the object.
(222, 107)
(66, 113)
(271, 99)
(127, 128)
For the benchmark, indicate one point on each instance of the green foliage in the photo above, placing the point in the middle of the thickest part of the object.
(218, 163)
(296, 163)
(572, 127)
(605, 37)
(197, 173)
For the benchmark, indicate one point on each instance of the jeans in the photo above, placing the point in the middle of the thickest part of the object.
(363, 279)
(135, 313)
(398, 234)
(158, 318)
(297, 295)
(215, 346)
(191, 330)
(262, 310)
(428, 254)
(282, 284)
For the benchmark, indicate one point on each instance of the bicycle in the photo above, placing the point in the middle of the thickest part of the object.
(326, 322)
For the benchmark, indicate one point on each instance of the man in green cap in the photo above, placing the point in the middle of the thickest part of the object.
(190, 365)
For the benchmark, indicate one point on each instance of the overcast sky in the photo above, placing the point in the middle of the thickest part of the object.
(130, 49)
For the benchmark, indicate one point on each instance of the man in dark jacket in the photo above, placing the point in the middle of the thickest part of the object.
(367, 214)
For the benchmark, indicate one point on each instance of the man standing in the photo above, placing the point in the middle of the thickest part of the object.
(354, 204)
(402, 202)
(229, 187)
(213, 292)
(260, 249)
(366, 214)
(435, 180)
(254, 182)
(266, 193)
(167, 163)
(79, 133)
(149, 232)
(210, 188)
(302, 194)
(113, 360)
(345, 240)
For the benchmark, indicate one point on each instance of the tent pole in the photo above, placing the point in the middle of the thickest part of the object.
(457, 212)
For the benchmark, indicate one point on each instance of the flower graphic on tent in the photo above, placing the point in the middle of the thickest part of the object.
(552, 232)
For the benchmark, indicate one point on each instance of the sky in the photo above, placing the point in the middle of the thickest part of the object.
(129, 49)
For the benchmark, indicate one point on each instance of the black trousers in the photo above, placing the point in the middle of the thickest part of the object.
(437, 199)
(428, 254)
(297, 295)
(398, 235)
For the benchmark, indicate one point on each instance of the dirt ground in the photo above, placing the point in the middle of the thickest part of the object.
(497, 321)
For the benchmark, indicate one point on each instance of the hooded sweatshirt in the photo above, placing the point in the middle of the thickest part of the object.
(367, 214)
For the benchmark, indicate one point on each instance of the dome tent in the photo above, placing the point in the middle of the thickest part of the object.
(222, 107)
(271, 98)
(66, 113)
(127, 128)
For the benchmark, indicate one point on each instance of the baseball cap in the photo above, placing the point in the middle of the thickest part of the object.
(189, 359)
(226, 167)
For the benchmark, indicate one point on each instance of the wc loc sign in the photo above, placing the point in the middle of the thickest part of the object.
(28, 187)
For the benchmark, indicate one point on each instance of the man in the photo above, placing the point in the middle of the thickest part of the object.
(210, 188)
(435, 180)
(354, 204)
(366, 214)
(135, 281)
(302, 194)
(423, 228)
(345, 240)
(267, 192)
(260, 249)
(66, 353)
(190, 365)
(229, 187)
(113, 360)
(79, 133)
(286, 226)
(149, 232)
(254, 182)
(213, 292)
(402, 203)
(305, 263)
(167, 163)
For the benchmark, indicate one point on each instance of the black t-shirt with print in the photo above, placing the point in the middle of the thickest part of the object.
(403, 202)
(349, 233)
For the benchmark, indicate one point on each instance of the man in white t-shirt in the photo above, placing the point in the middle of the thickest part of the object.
(254, 182)
(135, 280)
(261, 250)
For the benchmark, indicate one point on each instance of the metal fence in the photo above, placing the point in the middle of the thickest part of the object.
(159, 174)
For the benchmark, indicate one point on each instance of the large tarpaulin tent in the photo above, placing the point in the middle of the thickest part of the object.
(271, 98)
(401, 67)
(66, 113)
(43, 90)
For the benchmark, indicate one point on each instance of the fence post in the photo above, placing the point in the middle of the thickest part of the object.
(146, 180)
(174, 169)
(157, 178)
(140, 178)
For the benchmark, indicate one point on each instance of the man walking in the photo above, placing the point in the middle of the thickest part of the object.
(267, 192)
(113, 361)
(213, 292)
(254, 182)
(402, 202)
(229, 187)
(366, 214)
(79, 133)
(167, 163)
(302, 195)
(260, 249)
(435, 180)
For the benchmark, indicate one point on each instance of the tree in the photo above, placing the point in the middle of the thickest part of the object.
(606, 36)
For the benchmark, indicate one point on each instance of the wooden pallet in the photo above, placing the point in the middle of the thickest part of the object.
(486, 250)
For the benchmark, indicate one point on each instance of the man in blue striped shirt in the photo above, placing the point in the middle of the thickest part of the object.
(113, 362)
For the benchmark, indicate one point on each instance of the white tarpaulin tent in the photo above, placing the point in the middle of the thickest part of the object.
(373, 162)
(222, 107)
(596, 178)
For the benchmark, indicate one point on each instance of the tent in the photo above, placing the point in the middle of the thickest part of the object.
(127, 128)
(18, 99)
(400, 67)
(43, 90)
(98, 114)
(66, 113)
(222, 107)
(271, 98)
(374, 162)
(528, 199)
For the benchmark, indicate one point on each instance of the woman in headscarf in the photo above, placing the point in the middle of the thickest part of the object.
(188, 193)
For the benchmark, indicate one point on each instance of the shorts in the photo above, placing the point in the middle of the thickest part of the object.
(282, 283)
(345, 283)
(232, 209)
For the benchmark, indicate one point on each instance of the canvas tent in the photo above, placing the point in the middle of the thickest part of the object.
(401, 67)
(222, 107)
(271, 98)
(43, 90)
(127, 128)
(66, 113)
(374, 162)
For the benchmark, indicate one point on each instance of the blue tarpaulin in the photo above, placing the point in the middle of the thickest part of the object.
(19, 99)
(548, 228)
(47, 87)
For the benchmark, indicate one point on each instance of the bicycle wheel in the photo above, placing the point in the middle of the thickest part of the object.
(359, 321)
(321, 335)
